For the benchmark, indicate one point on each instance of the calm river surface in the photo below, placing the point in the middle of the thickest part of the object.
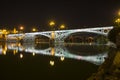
(42, 61)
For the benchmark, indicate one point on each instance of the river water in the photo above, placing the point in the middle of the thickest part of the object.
(43, 61)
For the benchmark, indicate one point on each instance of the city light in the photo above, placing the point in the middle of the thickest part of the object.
(15, 51)
(15, 31)
(62, 58)
(117, 20)
(33, 54)
(4, 31)
(21, 27)
(62, 26)
(52, 23)
(52, 51)
(4, 52)
(52, 35)
(52, 63)
(33, 29)
(21, 55)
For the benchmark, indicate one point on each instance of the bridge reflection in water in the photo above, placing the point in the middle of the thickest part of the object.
(60, 50)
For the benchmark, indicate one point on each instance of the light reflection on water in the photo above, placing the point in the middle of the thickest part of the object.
(95, 54)
(64, 61)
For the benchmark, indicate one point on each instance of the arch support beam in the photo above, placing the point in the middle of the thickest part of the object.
(29, 38)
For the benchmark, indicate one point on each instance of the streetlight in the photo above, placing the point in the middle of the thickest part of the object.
(34, 29)
(20, 37)
(62, 26)
(118, 19)
(21, 56)
(62, 58)
(21, 27)
(52, 25)
(52, 63)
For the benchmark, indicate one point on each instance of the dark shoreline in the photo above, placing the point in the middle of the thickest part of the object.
(110, 69)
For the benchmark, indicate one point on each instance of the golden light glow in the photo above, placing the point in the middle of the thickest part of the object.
(15, 51)
(33, 54)
(52, 51)
(53, 35)
(62, 26)
(21, 27)
(15, 31)
(52, 63)
(5, 48)
(21, 55)
(52, 23)
(117, 20)
(4, 52)
(34, 29)
(62, 58)
(4, 31)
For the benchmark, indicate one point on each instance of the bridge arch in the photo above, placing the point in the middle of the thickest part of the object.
(41, 39)
(90, 36)
(32, 36)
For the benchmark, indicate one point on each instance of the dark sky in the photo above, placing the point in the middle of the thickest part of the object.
(73, 14)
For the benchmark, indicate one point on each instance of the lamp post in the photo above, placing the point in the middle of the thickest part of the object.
(52, 26)
(117, 21)
(21, 32)
(34, 29)
(21, 28)
(62, 26)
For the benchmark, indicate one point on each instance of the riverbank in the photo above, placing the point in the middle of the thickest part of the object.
(110, 69)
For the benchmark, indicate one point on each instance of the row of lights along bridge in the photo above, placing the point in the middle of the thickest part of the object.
(21, 29)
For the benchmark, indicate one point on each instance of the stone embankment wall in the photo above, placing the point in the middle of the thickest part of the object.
(110, 69)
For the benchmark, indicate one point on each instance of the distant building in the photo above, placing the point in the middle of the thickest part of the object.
(3, 34)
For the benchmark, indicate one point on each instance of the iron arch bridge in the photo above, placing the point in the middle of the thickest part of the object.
(60, 35)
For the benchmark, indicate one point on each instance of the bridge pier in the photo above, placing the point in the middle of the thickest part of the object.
(59, 41)
(54, 41)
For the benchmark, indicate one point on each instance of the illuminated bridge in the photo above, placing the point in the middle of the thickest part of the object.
(60, 35)
(61, 51)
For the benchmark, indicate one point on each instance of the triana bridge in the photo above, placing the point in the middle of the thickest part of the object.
(60, 51)
(60, 35)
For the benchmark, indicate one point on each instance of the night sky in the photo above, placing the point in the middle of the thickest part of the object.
(74, 14)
